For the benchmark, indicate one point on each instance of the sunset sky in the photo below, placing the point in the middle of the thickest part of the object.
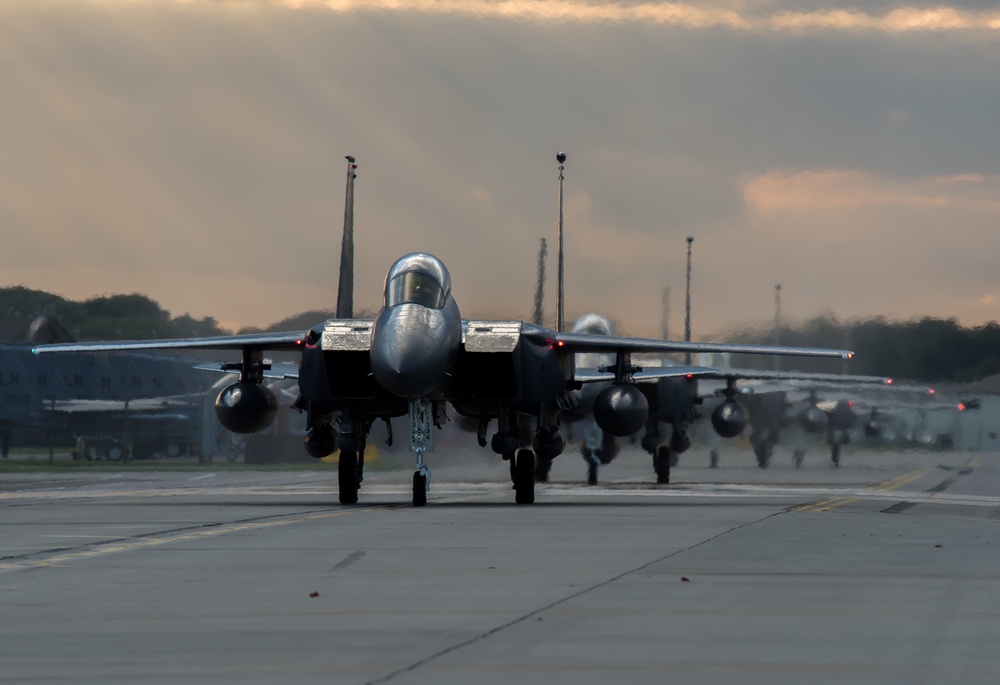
(194, 151)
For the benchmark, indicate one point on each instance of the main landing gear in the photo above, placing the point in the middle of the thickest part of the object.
(523, 475)
(763, 448)
(662, 463)
(348, 473)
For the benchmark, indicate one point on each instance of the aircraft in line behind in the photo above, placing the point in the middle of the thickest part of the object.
(674, 401)
(419, 354)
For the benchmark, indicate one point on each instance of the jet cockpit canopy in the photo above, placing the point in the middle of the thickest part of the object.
(418, 278)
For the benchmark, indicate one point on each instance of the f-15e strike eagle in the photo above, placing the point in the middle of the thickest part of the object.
(418, 354)
(674, 400)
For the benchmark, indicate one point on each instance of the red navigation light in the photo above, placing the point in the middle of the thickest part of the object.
(961, 406)
(690, 376)
(888, 381)
(932, 391)
(850, 403)
(561, 343)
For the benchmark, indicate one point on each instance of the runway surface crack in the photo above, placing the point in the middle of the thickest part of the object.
(536, 612)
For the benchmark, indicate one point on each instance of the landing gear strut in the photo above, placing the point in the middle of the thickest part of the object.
(421, 440)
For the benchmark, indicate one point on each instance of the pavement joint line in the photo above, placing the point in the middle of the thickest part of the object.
(535, 612)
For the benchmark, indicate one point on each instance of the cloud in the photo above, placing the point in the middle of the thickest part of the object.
(195, 152)
(822, 190)
(732, 16)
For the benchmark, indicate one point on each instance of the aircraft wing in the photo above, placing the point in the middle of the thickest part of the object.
(584, 342)
(291, 340)
(146, 404)
(652, 374)
(803, 380)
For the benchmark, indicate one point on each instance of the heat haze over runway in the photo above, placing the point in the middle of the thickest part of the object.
(883, 570)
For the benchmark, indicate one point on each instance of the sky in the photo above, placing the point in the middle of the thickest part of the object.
(194, 151)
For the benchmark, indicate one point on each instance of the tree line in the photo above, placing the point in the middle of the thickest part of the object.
(928, 349)
(108, 317)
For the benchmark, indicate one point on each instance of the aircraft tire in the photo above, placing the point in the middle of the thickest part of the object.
(116, 452)
(592, 473)
(542, 468)
(835, 455)
(524, 484)
(419, 489)
(797, 458)
(763, 453)
(661, 465)
(713, 459)
(347, 477)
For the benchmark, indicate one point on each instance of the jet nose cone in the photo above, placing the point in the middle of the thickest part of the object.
(410, 352)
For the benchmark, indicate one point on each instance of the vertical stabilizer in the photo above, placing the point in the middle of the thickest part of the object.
(345, 288)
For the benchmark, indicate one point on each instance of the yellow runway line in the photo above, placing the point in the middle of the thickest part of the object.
(885, 486)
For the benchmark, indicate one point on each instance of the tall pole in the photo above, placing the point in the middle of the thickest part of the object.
(539, 313)
(560, 320)
(345, 289)
(777, 323)
(687, 303)
(665, 316)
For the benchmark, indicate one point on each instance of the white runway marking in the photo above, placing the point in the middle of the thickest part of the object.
(701, 491)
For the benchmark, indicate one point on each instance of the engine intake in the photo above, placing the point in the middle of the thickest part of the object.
(548, 443)
(246, 407)
(621, 410)
(730, 419)
(321, 442)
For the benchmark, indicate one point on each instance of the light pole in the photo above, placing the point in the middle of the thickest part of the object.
(687, 303)
(560, 320)
(777, 323)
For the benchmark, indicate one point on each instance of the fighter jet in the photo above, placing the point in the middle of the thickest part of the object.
(674, 401)
(87, 393)
(814, 405)
(419, 354)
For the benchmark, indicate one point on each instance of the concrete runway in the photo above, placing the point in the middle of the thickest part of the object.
(884, 571)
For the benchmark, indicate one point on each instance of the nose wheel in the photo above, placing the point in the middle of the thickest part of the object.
(421, 483)
(347, 477)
